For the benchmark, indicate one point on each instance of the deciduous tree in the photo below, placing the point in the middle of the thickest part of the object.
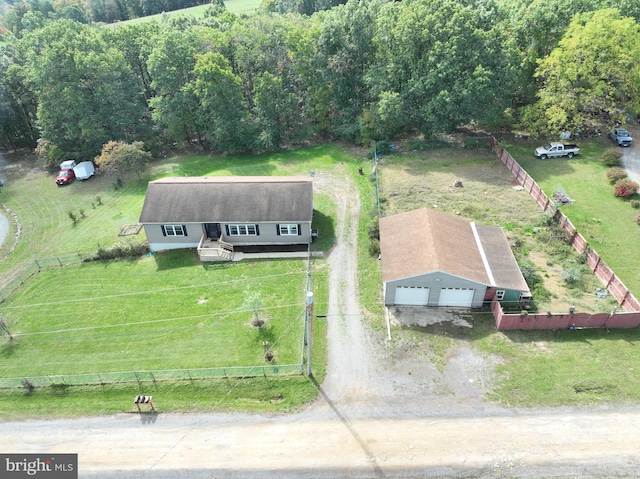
(594, 71)
(118, 158)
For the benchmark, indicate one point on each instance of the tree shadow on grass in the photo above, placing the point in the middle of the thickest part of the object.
(9, 348)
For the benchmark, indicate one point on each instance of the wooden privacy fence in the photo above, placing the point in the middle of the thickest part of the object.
(629, 317)
(563, 321)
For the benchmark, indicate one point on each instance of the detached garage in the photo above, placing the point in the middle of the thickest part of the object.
(431, 258)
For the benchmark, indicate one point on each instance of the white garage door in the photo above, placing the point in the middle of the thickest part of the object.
(456, 297)
(412, 295)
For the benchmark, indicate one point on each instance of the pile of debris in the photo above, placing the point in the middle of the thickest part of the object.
(562, 198)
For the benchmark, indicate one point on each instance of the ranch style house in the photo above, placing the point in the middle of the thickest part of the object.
(223, 215)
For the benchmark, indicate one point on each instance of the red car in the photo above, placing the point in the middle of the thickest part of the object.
(65, 177)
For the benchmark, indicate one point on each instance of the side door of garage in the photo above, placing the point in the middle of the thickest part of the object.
(460, 297)
(412, 295)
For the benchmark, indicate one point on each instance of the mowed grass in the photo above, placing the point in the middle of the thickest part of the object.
(160, 312)
(233, 6)
(588, 367)
(42, 208)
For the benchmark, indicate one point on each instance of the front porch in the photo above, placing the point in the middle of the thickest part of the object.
(215, 250)
(219, 250)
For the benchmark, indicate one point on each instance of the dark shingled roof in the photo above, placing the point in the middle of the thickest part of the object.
(240, 199)
(424, 241)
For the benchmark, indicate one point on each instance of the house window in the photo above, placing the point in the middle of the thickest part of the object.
(243, 230)
(500, 294)
(174, 230)
(289, 230)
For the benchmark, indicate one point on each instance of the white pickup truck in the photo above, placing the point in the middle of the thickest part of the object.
(554, 149)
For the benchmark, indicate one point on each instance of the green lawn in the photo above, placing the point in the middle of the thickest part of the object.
(608, 223)
(233, 6)
(533, 367)
(47, 231)
(163, 311)
(561, 368)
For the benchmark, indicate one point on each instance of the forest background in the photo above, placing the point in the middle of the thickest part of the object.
(301, 71)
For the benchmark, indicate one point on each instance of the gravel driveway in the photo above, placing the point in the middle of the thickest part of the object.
(4, 222)
(383, 411)
(631, 155)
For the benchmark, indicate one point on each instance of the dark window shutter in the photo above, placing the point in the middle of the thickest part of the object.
(257, 230)
(278, 230)
(299, 230)
(184, 230)
(164, 231)
(226, 228)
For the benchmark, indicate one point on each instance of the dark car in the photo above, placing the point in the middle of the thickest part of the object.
(65, 177)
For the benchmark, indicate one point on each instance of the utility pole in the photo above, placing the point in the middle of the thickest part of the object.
(309, 314)
(375, 170)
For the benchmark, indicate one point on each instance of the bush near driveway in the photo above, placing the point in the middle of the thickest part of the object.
(625, 188)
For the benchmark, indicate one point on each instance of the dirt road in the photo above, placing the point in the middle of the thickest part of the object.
(379, 414)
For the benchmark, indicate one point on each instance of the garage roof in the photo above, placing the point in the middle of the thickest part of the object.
(228, 199)
(423, 241)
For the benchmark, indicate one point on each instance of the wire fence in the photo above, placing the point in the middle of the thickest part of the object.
(446, 142)
(105, 378)
(34, 267)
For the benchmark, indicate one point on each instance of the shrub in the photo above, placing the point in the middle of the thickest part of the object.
(616, 173)
(635, 204)
(72, 216)
(530, 275)
(625, 188)
(546, 220)
(383, 148)
(49, 154)
(611, 157)
(121, 250)
(374, 248)
(571, 275)
(638, 219)
(374, 229)
(28, 385)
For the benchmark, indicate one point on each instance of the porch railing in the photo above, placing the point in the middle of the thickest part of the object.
(214, 249)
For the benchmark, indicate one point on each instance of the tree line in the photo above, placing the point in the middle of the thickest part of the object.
(360, 72)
